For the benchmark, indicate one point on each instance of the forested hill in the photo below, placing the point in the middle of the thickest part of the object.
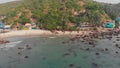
(6, 8)
(113, 10)
(58, 14)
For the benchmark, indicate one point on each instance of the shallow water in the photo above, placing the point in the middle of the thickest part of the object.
(59, 52)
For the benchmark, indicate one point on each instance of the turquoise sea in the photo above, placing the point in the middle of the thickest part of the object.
(59, 52)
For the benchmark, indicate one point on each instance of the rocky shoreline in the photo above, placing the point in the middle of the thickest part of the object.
(85, 35)
(4, 41)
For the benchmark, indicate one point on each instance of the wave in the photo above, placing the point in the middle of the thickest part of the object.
(52, 37)
(10, 45)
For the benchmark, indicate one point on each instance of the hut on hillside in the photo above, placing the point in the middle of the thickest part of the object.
(7, 28)
(28, 26)
(1, 25)
(110, 25)
(118, 20)
(34, 26)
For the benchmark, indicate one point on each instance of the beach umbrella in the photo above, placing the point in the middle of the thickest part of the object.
(28, 24)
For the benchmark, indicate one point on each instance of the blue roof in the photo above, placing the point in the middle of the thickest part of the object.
(118, 19)
(109, 25)
(1, 25)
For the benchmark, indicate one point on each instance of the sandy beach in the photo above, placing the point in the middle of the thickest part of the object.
(45, 33)
(39, 33)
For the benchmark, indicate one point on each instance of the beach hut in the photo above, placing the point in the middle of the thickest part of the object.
(110, 25)
(34, 26)
(28, 26)
(1, 25)
(118, 20)
(7, 27)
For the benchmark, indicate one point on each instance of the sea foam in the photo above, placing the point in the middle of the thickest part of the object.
(10, 45)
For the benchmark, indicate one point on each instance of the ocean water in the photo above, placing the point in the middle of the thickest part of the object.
(59, 52)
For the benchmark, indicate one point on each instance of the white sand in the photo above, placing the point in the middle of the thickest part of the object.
(46, 33)
(38, 33)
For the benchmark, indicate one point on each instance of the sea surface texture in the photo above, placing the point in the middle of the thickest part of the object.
(59, 52)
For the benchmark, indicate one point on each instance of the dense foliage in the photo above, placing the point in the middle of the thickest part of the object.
(113, 10)
(60, 14)
(6, 8)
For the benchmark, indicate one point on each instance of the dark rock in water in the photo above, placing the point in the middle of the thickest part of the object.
(4, 41)
(87, 49)
(71, 65)
(19, 53)
(44, 58)
(91, 43)
(26, 57)
(110, 37)
(117, 39)
(82, 41)
(20, 48)
(116, 45)
(119, 47)
(63, 42)
(113, 41)
(95, 65)
(116, 52)
(28, 47)
(97, 53)
(106, 49)
(66, 54)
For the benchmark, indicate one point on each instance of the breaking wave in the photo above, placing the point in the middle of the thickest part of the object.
(10, 45)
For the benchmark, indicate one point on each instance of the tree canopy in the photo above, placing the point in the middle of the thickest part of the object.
(61, 14)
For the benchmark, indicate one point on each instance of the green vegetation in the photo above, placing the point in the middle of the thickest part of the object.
(113, 10)
(9, 7)
(58, 14)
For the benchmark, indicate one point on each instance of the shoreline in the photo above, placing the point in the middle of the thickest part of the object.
(23, 33)
(20, 33)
